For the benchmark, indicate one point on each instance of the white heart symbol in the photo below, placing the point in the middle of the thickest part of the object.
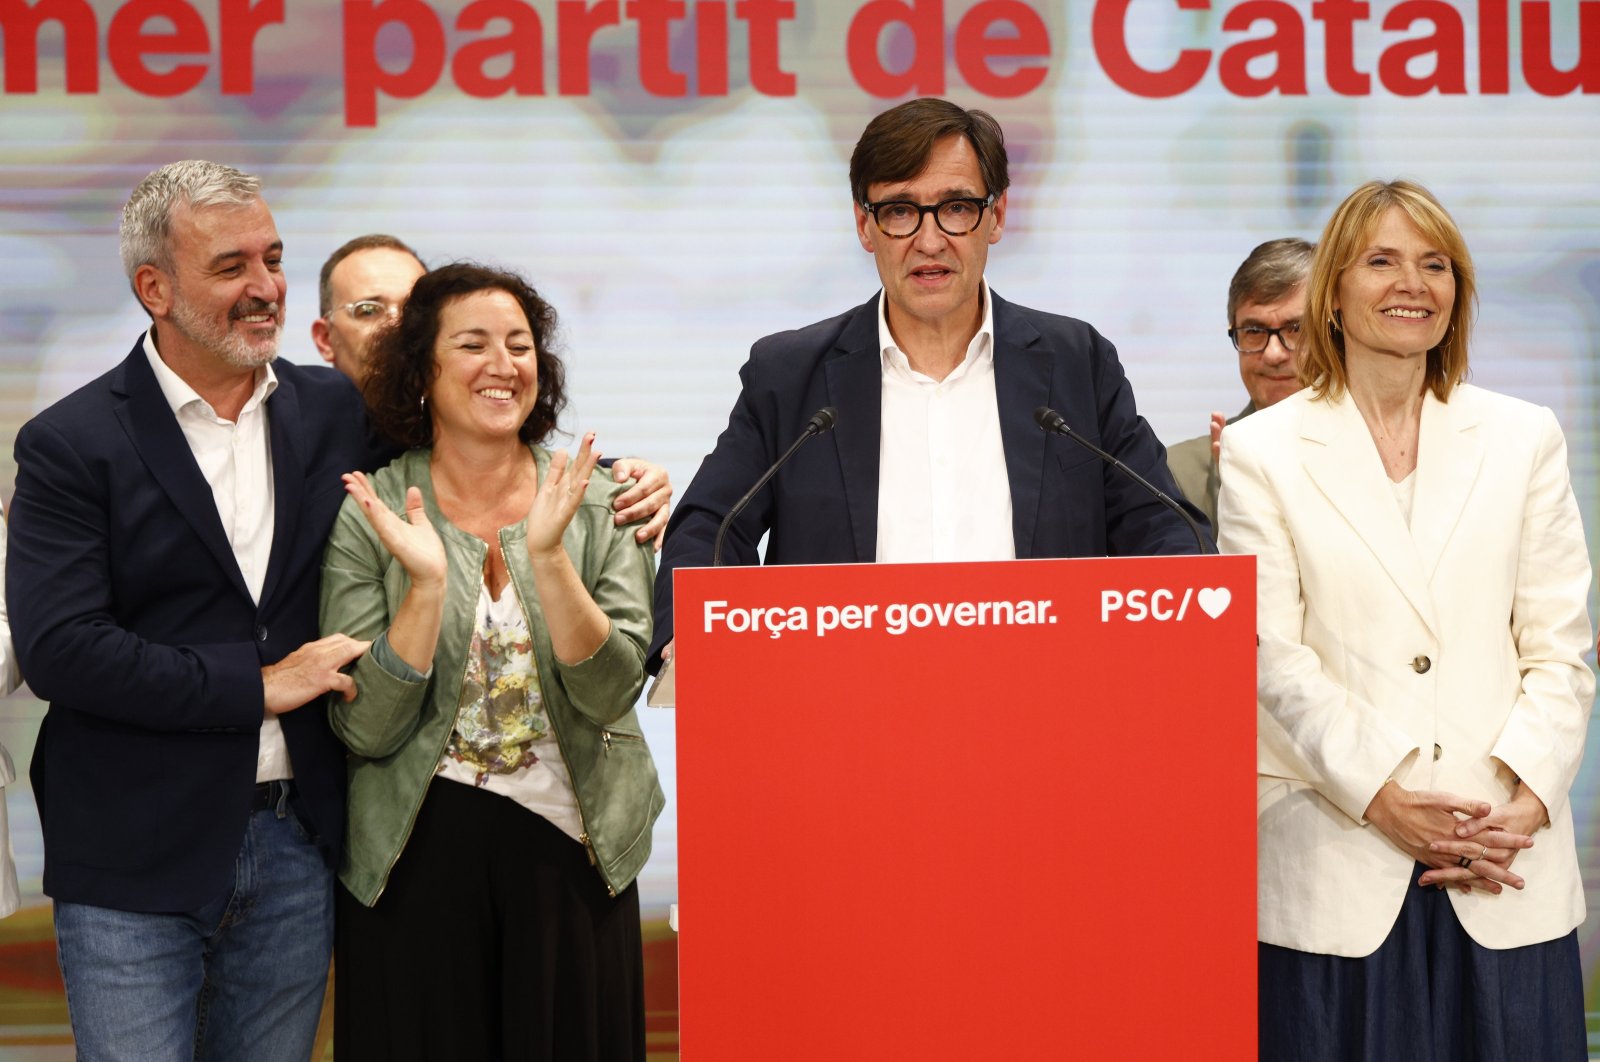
(1214, 600)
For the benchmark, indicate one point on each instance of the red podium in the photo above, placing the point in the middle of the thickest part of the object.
(967, 811)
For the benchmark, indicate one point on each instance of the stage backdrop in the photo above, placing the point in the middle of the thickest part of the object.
(672, 176)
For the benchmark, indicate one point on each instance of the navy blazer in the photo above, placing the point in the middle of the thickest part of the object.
(132, 619)
(822, 507)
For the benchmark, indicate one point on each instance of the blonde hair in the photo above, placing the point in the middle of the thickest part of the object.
(1348, 232)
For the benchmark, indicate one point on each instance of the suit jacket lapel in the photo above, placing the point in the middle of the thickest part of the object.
(854, 372)
(1021, 385)
(288, 479)
(154, 432)
(1449, 455)
(1341, 459)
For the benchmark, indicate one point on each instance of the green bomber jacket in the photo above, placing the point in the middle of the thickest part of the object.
(396, 729)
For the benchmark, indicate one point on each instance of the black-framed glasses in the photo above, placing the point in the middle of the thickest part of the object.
(899, 218)
(368, 311)
(1253, 339)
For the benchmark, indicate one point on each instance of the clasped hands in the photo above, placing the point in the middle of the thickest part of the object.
(1440, 830)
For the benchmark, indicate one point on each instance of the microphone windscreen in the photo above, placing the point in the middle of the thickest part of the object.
(822, 420)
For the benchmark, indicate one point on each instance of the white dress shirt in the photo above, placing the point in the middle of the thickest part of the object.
(235, 457)
(943, 493)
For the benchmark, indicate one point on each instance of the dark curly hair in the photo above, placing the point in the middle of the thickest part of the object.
(402, 369)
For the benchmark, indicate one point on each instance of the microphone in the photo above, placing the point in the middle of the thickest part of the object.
(1051, 421)
(821, 421)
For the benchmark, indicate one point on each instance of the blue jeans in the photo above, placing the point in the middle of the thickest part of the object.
(240, 978)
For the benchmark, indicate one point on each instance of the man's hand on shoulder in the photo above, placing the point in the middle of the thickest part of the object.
(647, 499)
(1218, 422)
(309, 672)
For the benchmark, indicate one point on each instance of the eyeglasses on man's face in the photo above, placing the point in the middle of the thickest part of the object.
(1253, 339)
(368, 311)
(899, 218)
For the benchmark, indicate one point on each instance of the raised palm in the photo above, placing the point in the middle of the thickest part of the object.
(559, 496)
(413, 540)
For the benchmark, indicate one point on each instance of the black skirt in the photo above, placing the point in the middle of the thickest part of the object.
(495, 940)
(1430, 993)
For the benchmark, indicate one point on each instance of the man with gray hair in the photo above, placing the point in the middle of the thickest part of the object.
(166, 542)
(1266, 302)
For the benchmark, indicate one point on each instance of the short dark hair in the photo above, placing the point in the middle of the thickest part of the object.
(1269, 273)
(371, 241)
(402, 368)
(896, 144)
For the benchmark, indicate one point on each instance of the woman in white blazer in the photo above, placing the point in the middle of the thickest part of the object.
(1423, 699)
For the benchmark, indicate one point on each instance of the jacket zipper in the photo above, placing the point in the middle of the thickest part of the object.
(607, 737)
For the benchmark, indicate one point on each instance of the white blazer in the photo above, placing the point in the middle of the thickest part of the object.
(1447, 654)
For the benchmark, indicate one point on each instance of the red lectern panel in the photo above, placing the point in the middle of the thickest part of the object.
(967, 811)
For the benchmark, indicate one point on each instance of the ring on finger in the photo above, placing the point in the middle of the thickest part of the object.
(1485, 853)
(1464, 861)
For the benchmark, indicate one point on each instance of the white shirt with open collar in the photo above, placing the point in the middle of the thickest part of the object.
(235, 457)
(943, 493)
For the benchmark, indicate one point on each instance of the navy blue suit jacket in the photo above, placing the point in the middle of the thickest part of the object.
(822, 507)
(131, 618)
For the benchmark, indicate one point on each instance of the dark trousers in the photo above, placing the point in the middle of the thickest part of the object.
(1430, 993)
(494, 939)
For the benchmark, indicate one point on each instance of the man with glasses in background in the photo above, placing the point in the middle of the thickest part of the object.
(363, 285)
(1266, 301)
(936, 454)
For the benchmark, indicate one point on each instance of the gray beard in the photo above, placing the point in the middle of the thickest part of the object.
(225, 343)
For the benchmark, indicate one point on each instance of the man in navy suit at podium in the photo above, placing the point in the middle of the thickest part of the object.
(936, 455)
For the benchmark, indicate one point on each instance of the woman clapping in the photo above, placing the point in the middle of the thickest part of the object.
(501, 794)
